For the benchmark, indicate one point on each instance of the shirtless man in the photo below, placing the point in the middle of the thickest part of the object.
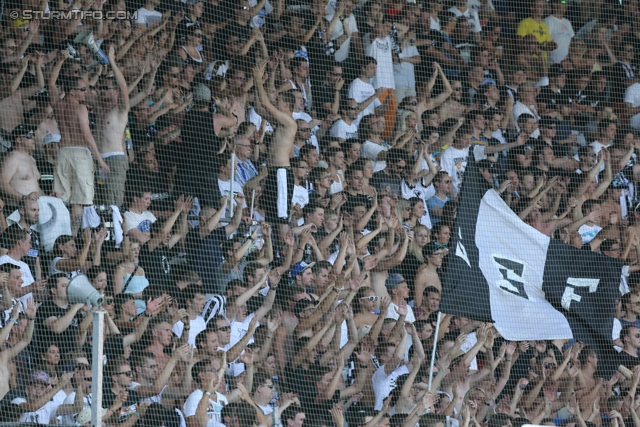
(73, 178)
(11, 96)
(280, 150)
(611, 203)
(112, 114)
(9, 353)
(19, 176)
(453, 107)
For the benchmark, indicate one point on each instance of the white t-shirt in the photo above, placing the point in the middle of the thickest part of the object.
(404, 72)
(148, 17)
(338, 31)
(632, 96)
(239, 330)
(70, 400)
(141, 221)
(380, 50)
(561, 32)
(300, 196)
(39, 416)
(195, 327)
(393, 313)
(383, 384)
(214, 410)
(361, 91)
(370, 150)
(27, 277)
(471, 15)
(341, 129)
(518, 109)
(225, 190)
(454, 162)
(336, 186)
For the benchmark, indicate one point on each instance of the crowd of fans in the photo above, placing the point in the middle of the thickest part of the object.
(284, 177)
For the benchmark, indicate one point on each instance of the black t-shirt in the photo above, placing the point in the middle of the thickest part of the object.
(160, 196)
(128, 407)
(553, 100)
(196, 153)
(627, 360)
(156, 265)
(323, 94)
(64, 340)
(381, 180)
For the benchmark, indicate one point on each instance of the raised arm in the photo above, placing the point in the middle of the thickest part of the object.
(279, 116)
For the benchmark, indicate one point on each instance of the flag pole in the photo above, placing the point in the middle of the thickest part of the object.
(433, 350)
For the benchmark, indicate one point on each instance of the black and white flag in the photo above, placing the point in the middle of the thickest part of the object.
(531, 287)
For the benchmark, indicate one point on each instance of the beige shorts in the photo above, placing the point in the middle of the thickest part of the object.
(73, 176)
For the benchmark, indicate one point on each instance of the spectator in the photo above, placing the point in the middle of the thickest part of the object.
(362, 90)
(560, 30)
(20, 174)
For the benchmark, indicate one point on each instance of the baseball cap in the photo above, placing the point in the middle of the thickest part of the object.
(39, 377)
(431, 248)
(21, 130)
(394, 280)
(52, 137)
(201, 93)
(299, 267)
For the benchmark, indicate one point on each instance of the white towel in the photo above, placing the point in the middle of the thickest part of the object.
(90, 217)
(117, 228)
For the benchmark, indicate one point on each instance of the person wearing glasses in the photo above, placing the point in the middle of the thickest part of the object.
(124, 400)
(206, 375)
(347, 126)
(327, 93)
(364, 304)
(20, 175)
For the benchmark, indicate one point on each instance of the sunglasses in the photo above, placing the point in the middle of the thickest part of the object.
(128, 373)
(373, 298)
(224, 328)
(81, 89)
(550, 365)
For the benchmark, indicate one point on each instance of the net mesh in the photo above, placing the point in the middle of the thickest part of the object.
(288, 213)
